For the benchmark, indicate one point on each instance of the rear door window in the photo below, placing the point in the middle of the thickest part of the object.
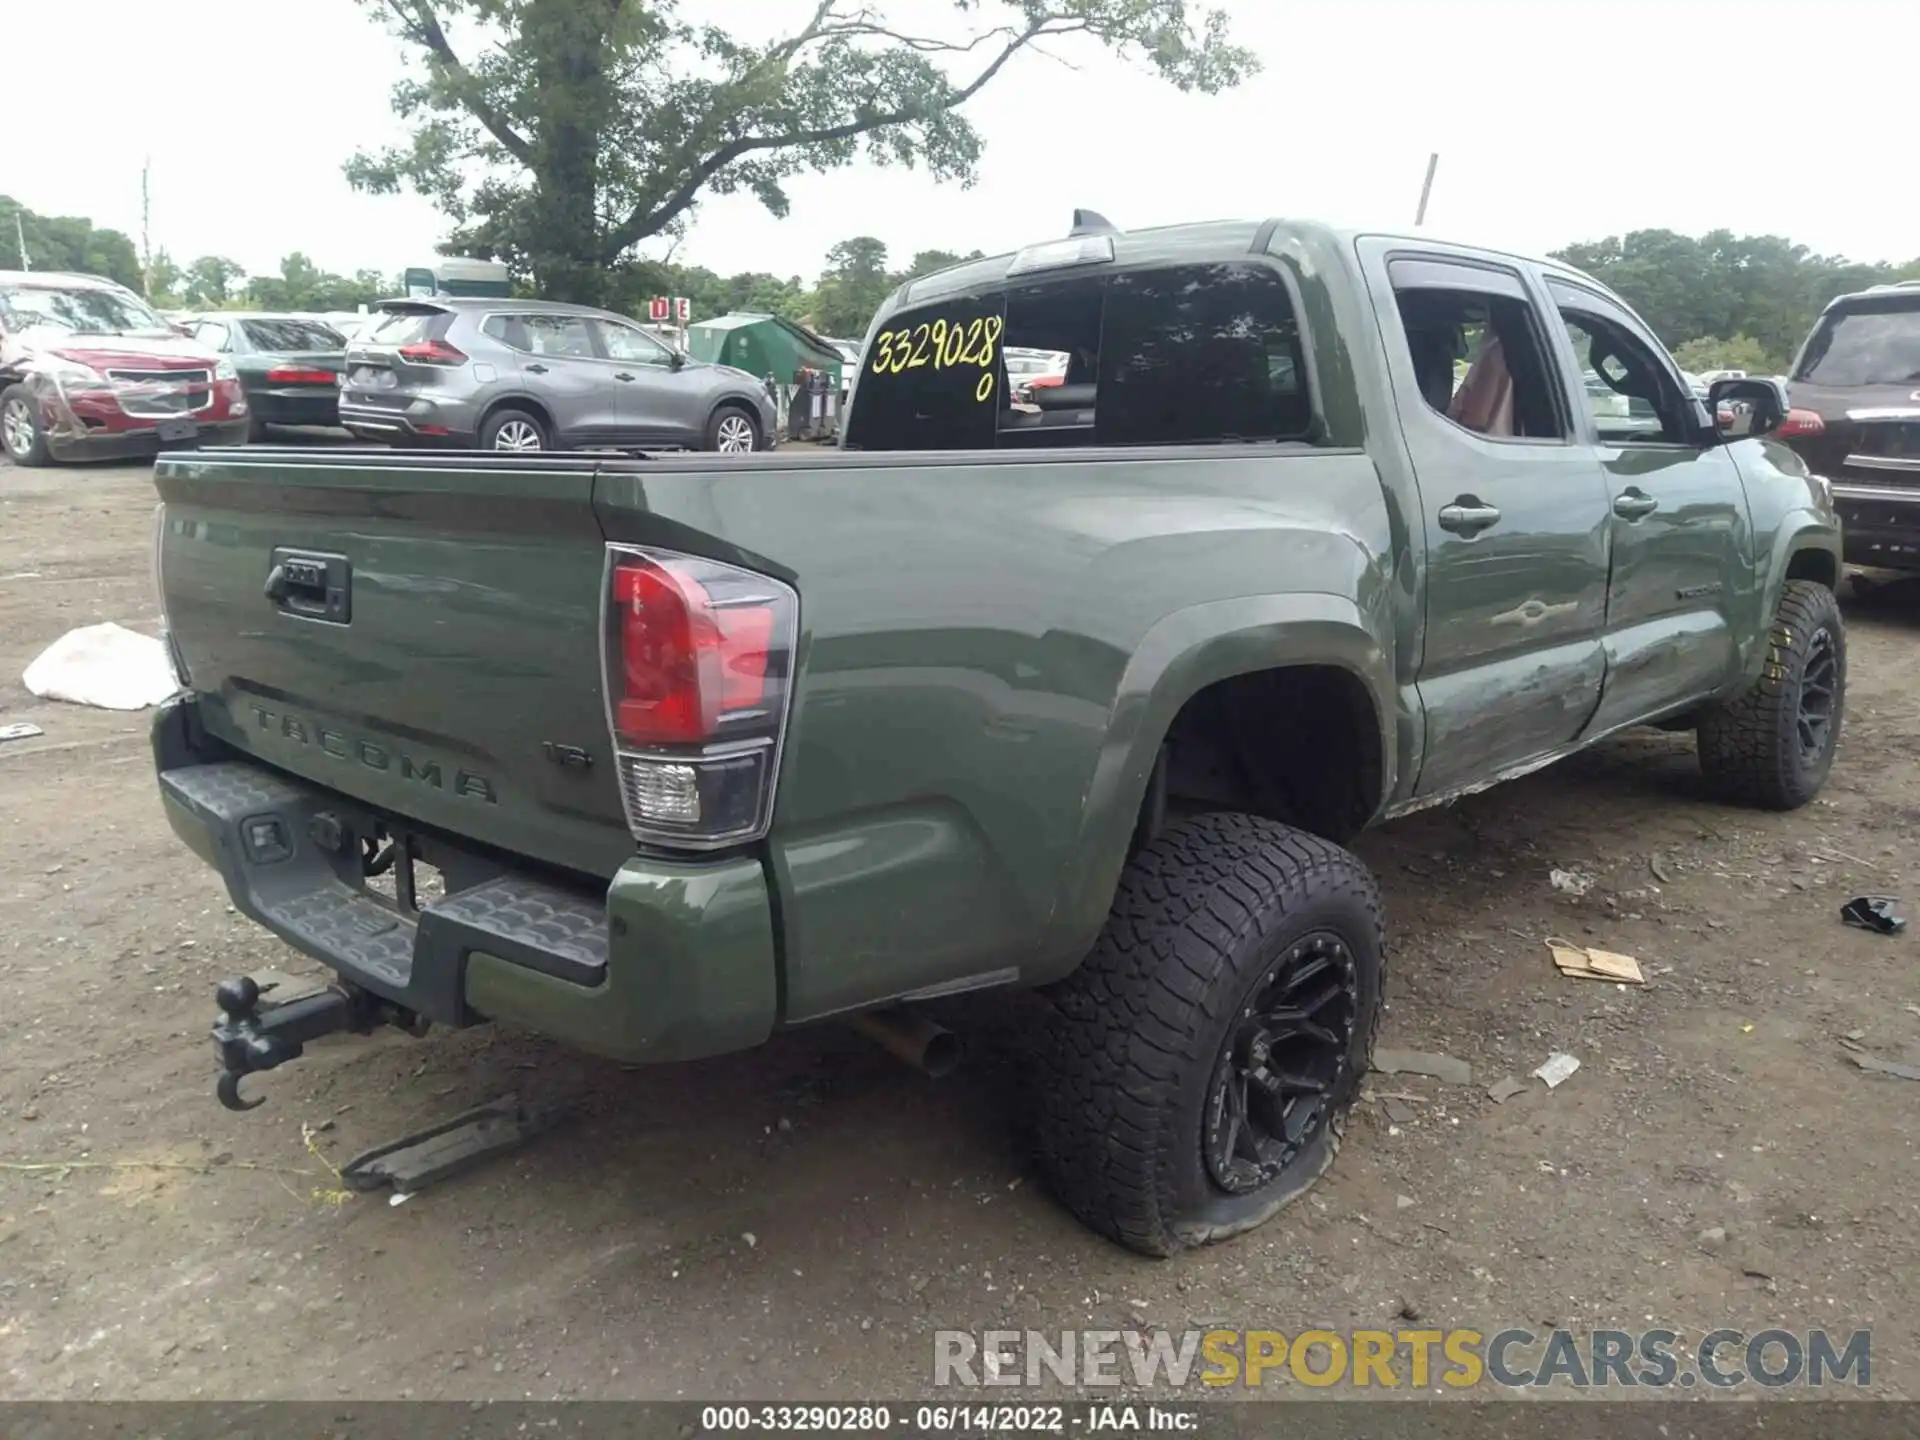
(625, 342)
(1202, 353)
(1866, 342)
(1192, 354)
(564, 337)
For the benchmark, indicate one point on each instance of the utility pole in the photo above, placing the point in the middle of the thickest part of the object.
(20, 235)
(146, 244)
(1426, 190)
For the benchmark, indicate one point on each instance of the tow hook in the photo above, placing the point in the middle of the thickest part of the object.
(252, 1036)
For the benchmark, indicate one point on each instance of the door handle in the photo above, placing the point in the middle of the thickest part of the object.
(621, 375)
(1468, 517)
(1634, 504)
(536, 369)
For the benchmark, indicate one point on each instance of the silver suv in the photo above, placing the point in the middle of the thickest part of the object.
(538, 375)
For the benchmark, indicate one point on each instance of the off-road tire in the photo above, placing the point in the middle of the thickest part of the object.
(1126, 1059)
(37, 452)
(1751, 747)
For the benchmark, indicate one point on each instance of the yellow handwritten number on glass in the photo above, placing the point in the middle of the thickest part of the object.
(984, 389)
(994, 325)
(883, 345)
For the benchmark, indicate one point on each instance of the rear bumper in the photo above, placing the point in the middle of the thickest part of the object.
(295, 407)
(419, 419)
(135, 444)
(670, 962)
(1880, 525)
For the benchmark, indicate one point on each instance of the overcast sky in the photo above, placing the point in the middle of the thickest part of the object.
(1555, 121)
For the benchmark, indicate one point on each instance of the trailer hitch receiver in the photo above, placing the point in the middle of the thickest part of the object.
(255, 1033)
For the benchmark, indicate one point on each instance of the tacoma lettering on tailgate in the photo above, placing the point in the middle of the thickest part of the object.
(374, 756)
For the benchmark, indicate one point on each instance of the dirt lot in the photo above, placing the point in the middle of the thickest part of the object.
(795, 1223)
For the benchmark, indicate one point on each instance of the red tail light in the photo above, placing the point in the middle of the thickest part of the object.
(297, 376)
(432, 352)
(698, 661)
(1798, 423)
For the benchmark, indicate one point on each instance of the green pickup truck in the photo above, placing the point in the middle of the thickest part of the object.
(1077, 689)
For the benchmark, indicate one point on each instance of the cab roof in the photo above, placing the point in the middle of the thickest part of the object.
(1205, 240)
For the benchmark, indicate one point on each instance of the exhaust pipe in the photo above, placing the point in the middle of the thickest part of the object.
(929, 1048)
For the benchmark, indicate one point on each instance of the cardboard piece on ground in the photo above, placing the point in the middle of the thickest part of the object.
(1557, 1068)
(1502, 1091)
(1584, 962)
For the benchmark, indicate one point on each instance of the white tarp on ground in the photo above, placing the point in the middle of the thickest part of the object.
(105, 665)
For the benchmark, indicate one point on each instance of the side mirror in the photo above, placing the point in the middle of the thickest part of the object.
(676, 360)
(1747, 407)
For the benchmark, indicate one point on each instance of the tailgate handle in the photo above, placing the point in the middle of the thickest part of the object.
(311, 586)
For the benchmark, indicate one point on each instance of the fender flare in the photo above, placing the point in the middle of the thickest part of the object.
(1179, 657)
(1801, 531)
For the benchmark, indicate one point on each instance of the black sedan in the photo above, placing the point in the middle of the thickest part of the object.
(288, 365)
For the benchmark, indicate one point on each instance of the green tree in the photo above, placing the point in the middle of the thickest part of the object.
(928, 261)
(852, 286)
(163, 279)
(1741, 352)
(210, 281)
(1762, 287)
(67, 242)
(569, 131)
(303, 285)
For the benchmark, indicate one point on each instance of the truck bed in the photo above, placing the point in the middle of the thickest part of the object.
(993, 611)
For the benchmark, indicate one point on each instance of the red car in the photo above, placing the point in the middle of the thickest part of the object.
(88, 371)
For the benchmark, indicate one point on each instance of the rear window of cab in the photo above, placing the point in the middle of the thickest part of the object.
(1191, 354)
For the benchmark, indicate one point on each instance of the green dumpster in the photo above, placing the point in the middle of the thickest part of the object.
(763, 345)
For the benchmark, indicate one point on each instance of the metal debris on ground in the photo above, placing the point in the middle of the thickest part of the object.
(1423, 1062)
(1886, 1067)
(1584, 962)
(21, 731)
(1659, 869)
(1875, 913)
(1557, 1067)
(1502, 1091)
(1570, 882)
(445, 1150)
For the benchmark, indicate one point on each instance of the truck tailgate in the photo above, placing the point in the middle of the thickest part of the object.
(452, 678)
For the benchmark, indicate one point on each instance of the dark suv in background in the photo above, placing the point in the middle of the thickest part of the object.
(1855, 389)
(536, 375)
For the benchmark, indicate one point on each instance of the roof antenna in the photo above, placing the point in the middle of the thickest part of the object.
(1091, 222)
